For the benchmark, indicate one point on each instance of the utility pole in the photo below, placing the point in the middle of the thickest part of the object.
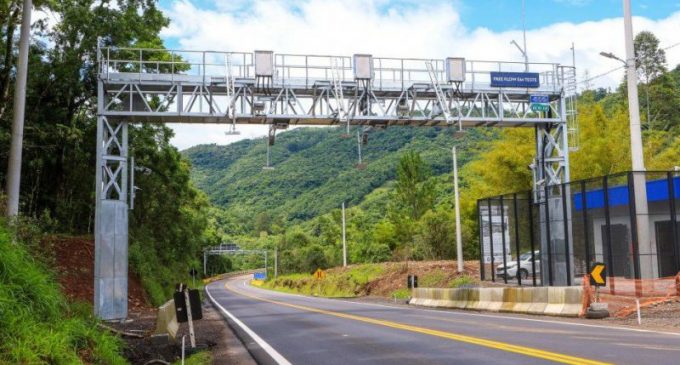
(14, 163)
(633, 106)
(638, 163)
(459, 236)
(524, 35)
(344, 238)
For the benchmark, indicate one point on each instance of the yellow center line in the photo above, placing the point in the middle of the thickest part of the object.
(523, 350)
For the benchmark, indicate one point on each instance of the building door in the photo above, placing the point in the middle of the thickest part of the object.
(664, 249)
(620, 258)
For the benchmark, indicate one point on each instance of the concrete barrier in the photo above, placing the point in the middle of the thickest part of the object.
(573, 301)
(166, 320)
(472, 299)
(539, 300)
(459, 298)
(556, 301)
(495, 298)
(511, 296)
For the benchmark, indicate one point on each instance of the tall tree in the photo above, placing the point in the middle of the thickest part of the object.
(650, 60)
(414, 192)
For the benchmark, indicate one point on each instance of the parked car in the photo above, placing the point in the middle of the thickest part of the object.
(525, 267)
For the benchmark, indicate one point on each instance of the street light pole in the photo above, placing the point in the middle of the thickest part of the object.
(633, 106)
(14, 163)
(644, 244)
(459, 236)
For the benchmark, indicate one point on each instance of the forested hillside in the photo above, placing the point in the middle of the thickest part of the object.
(315, 168)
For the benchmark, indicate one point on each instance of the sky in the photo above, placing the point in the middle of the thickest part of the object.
(474, 29)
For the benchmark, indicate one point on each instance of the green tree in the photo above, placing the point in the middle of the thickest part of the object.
(414, 192)
(437, 234)
(650, 60)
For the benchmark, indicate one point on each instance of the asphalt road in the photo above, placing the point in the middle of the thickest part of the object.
(285, 328)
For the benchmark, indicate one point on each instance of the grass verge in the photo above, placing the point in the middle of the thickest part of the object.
(37, 323)
(351, 282)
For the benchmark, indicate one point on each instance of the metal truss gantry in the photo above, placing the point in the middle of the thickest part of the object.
(231, 249)
(167, 86)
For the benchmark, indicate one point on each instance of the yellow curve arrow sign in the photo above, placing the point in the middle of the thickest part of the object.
(596, 274)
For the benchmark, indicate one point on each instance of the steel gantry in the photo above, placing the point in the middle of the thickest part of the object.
(168, 86)
(231, 249)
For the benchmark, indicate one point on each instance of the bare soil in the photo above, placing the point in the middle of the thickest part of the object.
(74, 258)
(211, 333)
(74, 264)
(662, 313)
(395, 274)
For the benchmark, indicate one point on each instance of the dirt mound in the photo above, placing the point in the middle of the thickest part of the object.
(435, 274)
(74, 263)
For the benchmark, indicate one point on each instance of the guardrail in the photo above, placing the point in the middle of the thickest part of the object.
(554, 301)
(307, 69)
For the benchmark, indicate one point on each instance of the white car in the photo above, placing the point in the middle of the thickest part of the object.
(525, 267)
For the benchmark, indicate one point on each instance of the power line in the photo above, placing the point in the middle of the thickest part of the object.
(601, 75)
(671, 46)
(620, 67)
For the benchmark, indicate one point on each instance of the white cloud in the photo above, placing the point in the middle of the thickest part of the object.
(418, 29)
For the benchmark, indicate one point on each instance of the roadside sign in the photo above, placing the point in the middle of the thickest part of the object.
(320, 274)
(540, 107)
(515, 79)
(259, 276)
(598, 274)
(539, 99)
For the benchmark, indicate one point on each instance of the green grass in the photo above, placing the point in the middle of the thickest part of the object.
(462, 280)
(200, 358)
(402, 293)
(349, 283)
(37, 324)
(433, 279)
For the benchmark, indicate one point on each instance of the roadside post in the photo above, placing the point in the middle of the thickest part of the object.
(412, 281)
(319, 275)
(598, 278)
(188, 308)
(193, 272)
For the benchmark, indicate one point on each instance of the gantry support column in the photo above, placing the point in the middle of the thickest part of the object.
(552, 170)
(111, 218)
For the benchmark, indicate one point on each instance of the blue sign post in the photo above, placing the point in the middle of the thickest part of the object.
(515, 79)
(260, 276)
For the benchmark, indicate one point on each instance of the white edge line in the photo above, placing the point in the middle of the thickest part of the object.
(263, 344)
(459, 313)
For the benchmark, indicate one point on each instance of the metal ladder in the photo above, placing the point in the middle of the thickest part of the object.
(231, 96)
(570, 95)
(441, 98)
(339, 95)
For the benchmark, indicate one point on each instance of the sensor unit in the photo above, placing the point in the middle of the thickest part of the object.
(264, 63)
(455, 69)
(363, 66)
